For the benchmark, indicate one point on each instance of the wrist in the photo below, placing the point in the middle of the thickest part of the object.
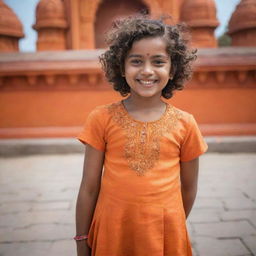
(80, 237)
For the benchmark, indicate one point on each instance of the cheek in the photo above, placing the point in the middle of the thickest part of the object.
(129, 71)
(166, 72)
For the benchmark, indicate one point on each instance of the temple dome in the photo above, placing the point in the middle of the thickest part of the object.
(243, 17)
(10, 25)
(50, 13)
(199, 13)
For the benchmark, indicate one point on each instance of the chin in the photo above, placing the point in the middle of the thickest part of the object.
(147, 95)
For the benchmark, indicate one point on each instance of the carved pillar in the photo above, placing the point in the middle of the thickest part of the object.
(51, 25)
(200, 15)
(87, 32)
(242, 25)
(73, 33)
(10, 29)
(87, 14)
(172, 8)
(154, 7)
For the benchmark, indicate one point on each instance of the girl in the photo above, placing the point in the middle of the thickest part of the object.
(149, 149)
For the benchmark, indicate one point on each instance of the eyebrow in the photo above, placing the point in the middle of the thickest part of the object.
(154, 56)
(161, 56)
(134, 55)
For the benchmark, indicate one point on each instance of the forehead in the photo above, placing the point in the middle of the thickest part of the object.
(149, 46)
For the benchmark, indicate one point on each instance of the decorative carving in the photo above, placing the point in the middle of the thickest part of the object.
(242, 25)
(242, 76)
(220, 76)
(73, 79)
(10, 29)
(202, 76)
(92, 79)
(50, 79)
(201, 79)
(81, 68)
(200, 15)
(51, 25)
(32, 79)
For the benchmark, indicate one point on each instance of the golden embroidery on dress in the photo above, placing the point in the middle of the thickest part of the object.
(142, 146)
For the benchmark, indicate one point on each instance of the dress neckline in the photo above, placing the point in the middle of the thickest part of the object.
(127, 114)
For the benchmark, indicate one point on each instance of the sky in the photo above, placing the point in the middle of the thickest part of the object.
(25, 10)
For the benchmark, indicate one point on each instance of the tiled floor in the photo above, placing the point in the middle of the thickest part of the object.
(38, 195)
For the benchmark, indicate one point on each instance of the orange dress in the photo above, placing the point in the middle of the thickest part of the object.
(139, 211)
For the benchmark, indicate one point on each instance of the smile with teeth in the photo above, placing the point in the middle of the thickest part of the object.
(147, 82)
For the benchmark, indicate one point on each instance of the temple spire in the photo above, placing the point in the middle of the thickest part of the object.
(242, 25)
(51, 25)
(11, 29)
(200, 15)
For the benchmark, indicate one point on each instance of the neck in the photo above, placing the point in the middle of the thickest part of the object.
(139, 102)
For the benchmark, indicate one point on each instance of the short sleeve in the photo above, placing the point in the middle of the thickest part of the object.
(193, 144)
(93, 131)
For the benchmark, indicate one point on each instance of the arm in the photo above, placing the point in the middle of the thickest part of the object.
(189, 179)
(88, 195)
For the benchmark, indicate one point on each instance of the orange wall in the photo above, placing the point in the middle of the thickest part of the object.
(70, 108)
(47, 95)
(211, 106)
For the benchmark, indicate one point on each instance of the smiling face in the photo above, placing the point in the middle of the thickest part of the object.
(147, 67)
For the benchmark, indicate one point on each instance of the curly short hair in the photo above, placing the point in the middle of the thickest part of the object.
(125, 32)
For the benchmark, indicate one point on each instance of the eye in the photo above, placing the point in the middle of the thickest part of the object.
(159, 62)
(136, 61)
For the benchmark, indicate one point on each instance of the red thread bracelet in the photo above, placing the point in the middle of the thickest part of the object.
(80, 238)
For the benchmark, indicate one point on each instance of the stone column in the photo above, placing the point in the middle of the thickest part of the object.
(87, 14)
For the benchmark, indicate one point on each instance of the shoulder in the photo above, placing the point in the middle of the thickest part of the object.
(103, 112)
(184, 124)
(181, 116)
(103, 109)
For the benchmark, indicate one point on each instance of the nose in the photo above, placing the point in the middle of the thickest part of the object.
(147, 69)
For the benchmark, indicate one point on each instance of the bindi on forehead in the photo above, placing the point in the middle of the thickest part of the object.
(157, 55)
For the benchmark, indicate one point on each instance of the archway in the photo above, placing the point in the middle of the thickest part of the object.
(108, 10)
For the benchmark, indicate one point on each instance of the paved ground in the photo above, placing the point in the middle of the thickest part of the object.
(38, 193)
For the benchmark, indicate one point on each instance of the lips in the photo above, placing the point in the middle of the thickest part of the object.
(147, 83)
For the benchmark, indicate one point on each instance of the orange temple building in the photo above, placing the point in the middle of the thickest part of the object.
(49, 93)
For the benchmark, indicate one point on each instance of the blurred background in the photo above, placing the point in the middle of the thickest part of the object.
(49, 63)
(50, 79)
(52, 67)
(25, 10)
